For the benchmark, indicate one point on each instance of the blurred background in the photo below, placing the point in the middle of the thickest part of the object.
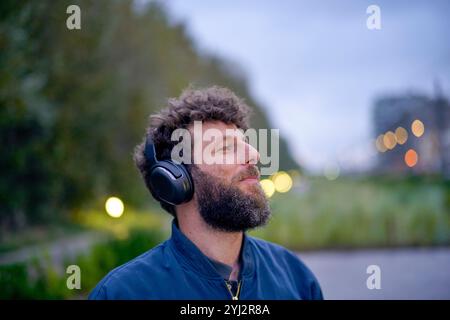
(364, 119)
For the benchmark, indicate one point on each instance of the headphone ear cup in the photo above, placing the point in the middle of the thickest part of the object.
(187, 183)
(171, 183)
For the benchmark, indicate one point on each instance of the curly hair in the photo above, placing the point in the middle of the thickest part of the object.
(209, 104)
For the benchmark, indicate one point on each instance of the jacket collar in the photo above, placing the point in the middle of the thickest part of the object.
(191, 255)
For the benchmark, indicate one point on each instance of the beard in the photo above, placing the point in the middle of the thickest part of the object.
(225, 207)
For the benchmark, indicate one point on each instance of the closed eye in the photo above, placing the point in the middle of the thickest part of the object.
(227, 147)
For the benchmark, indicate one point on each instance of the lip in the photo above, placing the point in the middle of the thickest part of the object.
(251, 179)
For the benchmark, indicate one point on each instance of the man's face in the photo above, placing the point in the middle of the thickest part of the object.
(228, 193)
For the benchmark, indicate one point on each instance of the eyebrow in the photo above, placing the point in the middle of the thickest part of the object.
(226, 137)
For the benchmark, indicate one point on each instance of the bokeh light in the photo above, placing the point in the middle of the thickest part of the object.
(401, 135)
(331, 171)
(389, 140)
(268, 187)
(380, 144)
(282, 181)
(417, 128)
(411, 158)
(114, 207)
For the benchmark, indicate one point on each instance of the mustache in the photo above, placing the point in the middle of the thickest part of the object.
(252, 171)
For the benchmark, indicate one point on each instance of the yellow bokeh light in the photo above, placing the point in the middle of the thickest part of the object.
(268, 187)
(282, 181)
(417, 128)
(114, 207)
(401, 135)
(389, 140)
(380, 144)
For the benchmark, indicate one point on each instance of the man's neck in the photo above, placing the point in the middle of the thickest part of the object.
(221, 246)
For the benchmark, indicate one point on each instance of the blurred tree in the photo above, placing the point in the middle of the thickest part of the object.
(74, 103)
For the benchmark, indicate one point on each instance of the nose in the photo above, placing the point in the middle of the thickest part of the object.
(251, 154)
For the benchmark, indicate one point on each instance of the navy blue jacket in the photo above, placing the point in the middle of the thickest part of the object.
(177, 269)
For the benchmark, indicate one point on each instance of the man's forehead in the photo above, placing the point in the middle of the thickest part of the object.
(219, 125)
(225, 130)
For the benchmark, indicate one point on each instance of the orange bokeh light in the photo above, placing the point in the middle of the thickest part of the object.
(411, 158)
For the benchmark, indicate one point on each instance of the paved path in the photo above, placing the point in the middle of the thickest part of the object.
(405, 273)
(57, 251)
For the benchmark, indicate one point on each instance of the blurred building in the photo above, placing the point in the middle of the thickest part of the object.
(412, 134)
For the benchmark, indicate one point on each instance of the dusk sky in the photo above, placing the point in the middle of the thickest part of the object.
(316, 68)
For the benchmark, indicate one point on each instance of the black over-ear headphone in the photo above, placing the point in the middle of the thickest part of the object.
(169, 182)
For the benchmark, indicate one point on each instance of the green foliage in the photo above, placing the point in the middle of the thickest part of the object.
(43, 280)
(14, 282)
(105, 257)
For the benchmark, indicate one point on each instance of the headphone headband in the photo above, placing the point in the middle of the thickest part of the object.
(150, 152)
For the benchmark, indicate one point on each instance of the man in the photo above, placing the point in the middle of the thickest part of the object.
(209, 255)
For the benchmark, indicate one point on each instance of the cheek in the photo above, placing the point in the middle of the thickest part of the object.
(228, 172)
(225, 172)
